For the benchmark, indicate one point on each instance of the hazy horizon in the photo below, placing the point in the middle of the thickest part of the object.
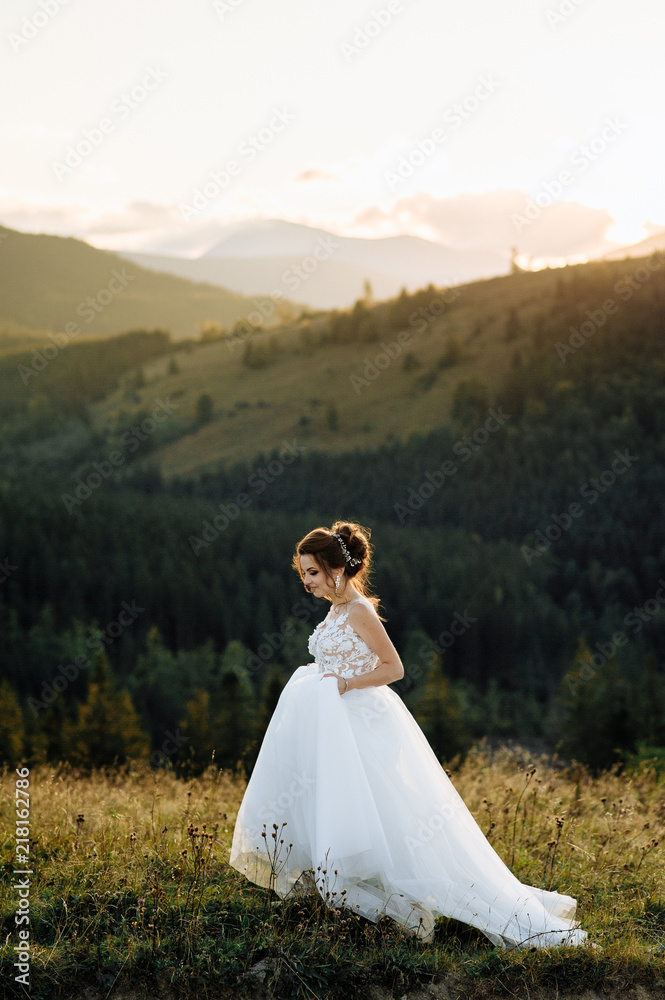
(476, 128)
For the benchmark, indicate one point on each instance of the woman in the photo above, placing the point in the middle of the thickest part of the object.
(347, 789)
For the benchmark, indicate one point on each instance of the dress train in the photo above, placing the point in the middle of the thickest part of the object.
(364, 797)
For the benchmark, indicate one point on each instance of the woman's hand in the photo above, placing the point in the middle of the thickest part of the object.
(341, 682)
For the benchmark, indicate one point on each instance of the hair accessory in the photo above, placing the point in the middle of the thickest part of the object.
(347, 554)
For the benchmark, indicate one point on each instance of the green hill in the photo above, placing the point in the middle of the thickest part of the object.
(503, 440)
(345, 380)
(47, 282)
(336, 381)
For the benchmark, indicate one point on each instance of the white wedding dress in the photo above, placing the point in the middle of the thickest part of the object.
(362, 793)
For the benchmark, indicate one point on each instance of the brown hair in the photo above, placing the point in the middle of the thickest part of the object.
(326, 550)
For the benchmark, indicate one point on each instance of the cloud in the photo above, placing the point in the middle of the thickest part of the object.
(482, 223)
(141, 226)
(137, 215)
(315, 174)
(496, 221)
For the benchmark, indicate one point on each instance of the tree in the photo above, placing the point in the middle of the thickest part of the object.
(471, 401)
(513, 326)
(410, 361)
(439, 714)
(107, 729)
(198, 730)
(418, 656)
(12, 729)
(257, 355)
(597, 711)
(221, 720)
(47, 733)
(272, 690)
(514, 266)
(204, 409)
(211, 331)
(452, 354)
(333, 419)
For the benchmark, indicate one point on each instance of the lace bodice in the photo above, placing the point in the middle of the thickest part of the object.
(338, 649)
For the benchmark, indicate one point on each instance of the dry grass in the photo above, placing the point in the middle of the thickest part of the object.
(131, 884)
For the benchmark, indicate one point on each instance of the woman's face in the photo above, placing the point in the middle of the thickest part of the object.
(313, 577)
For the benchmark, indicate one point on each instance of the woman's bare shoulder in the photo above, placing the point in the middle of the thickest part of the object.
(361, 609)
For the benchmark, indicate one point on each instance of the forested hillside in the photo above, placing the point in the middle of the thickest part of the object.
(53, 283)
(511, 471)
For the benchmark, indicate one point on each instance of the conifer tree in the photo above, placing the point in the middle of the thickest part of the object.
(12, 728)
(596, 702)
(439, 714)
(47, 733)
(197, 726)
(272, 689)
(107, 729)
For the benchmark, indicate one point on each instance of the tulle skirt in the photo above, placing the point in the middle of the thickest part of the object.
(364, 796)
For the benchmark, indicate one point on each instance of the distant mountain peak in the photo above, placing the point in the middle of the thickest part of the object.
(266, 238)
(257, 256)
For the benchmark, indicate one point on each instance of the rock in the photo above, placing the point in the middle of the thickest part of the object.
(260, 969)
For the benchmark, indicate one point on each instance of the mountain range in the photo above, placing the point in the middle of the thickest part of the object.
(321, 269)
(48, 282)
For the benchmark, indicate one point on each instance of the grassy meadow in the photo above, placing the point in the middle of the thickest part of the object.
(132, 890)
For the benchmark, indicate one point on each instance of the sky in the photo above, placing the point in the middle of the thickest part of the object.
(487, 124)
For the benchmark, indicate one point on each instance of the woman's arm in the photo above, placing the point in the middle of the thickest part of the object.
(370, 628)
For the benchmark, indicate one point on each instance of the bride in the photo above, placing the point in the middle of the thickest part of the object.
(348, 798)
